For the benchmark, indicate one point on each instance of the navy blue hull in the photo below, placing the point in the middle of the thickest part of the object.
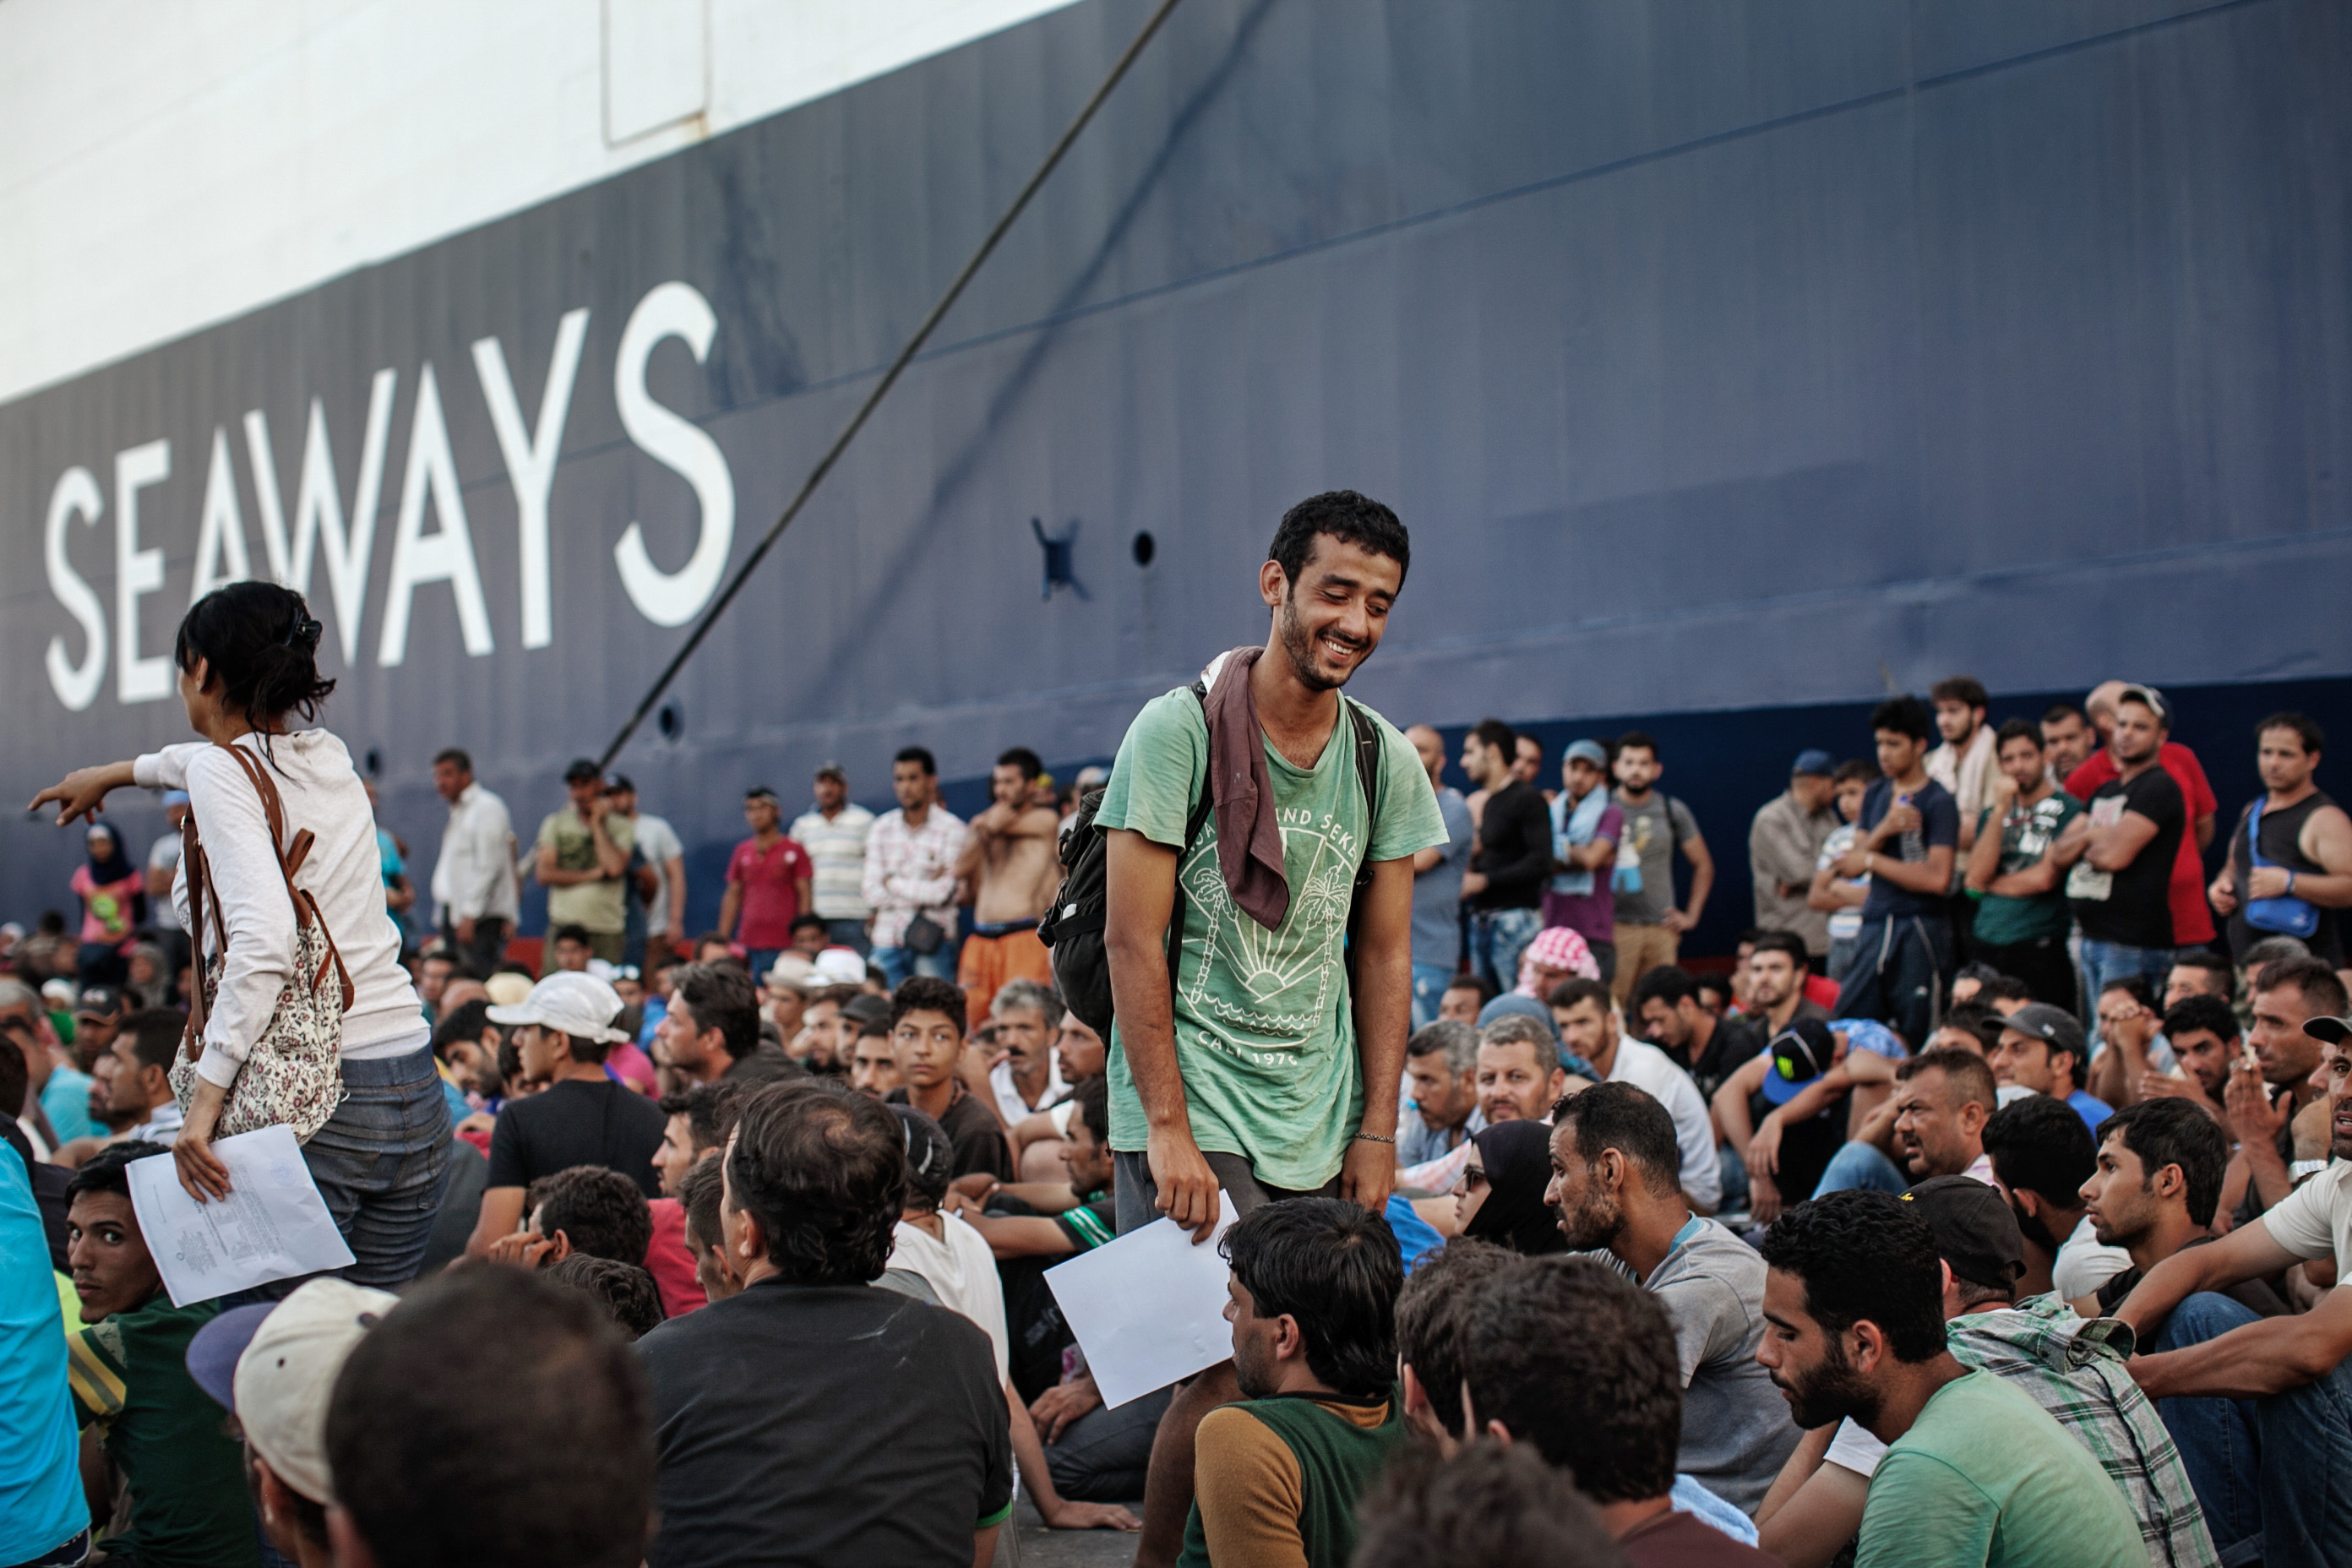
(1724, 359)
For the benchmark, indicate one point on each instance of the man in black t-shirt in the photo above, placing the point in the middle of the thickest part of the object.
(810, 1417)
(1503, 888)
(926, 1035)
(561, 1031)
(2130, 837)
(1908, 833)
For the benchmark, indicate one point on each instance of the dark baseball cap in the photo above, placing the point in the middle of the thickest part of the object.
(99, 1002)
(1800, 1054)
(1814, 759)
(1975, 1231)
(2060, 1029)
(582, 768)
(2328, 1029)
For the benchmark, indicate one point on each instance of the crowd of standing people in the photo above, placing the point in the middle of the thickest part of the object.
(1987, 1208)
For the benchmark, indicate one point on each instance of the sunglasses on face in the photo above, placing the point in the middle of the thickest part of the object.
(1472, 1178)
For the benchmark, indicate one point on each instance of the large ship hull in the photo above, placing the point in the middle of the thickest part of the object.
(1730, 366)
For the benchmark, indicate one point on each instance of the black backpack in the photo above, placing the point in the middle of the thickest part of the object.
(1073, 929)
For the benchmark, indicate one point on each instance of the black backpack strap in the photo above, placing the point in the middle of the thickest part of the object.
(1201, 806)
(1368, 773)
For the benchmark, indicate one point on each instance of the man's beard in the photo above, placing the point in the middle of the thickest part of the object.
(1249, 1374)
(1300, 648)
(1831, 1393)
(1592, 1223)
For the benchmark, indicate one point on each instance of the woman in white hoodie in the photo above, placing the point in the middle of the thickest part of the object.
(247, 663)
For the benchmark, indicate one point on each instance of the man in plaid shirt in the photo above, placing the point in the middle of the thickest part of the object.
(910, 880)
(2073, 1368)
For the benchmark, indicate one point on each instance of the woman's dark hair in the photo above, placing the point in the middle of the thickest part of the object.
(263, 648)
(1333, 1266)
(823, 1170)
(1863, 1255)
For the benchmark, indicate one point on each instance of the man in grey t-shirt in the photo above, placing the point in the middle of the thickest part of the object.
(1437, 887)
(1616, 1187)
(1650, 925)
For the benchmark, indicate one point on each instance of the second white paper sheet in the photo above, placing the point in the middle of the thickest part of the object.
(272, 1226)
(1148, 1307)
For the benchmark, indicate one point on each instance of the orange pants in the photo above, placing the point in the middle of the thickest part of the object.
(988, 961)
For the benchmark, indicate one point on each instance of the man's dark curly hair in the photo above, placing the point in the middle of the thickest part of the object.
(927, 992)
(625, 1291)
(709, 1110)
(1346, 515)
(823, 1170)
(1489, 1504)
(602, 1211)
(106, 1170)
(493, 1416)
(1335, 1267)
(1579, 1361)
(1864, 1256)
(1433, 1315)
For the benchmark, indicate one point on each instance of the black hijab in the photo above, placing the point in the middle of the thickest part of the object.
(1518, 1158)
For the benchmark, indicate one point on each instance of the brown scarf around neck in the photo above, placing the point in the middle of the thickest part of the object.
(1249, 839)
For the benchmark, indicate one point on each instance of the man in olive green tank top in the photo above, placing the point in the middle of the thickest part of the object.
(1313, 1289)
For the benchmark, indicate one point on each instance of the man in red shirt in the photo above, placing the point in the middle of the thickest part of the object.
(768, 879)
(2192, 921)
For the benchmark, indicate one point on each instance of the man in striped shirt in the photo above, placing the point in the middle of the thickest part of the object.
(833, 832)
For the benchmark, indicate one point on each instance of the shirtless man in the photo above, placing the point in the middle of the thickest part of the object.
(1011, 856)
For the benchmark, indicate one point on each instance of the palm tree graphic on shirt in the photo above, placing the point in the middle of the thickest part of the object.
(1291, 976)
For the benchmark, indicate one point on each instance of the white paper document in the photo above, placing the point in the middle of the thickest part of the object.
(1148, 1307)
(272, 1226)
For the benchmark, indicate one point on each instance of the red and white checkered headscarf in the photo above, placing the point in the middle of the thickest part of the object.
(1555, 948)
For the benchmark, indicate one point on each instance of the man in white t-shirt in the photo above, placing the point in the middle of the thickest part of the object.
(658, 841)
(1588, 1026)
(2293, 1368)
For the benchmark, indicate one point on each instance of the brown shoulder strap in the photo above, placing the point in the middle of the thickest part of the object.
(289, 861)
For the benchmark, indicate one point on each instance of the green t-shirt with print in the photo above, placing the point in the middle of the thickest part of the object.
(2026, 836)
(1265, 1038)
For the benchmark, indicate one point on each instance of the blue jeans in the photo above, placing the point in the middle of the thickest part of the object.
(380, 1162)
(1860, 1166)
(1498, 938)
(1896, 975)
(897, 963)
(2220, 1439)
(850, 934)
(2106, 961)
(2294, 1457)
(1429, 983)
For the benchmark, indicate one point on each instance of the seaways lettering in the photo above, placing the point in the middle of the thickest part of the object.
(432, 547)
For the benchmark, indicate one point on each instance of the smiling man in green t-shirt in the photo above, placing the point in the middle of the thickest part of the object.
(1272, 1069)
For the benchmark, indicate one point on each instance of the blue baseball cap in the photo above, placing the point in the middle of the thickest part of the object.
(1814, 759)
(1592, 752)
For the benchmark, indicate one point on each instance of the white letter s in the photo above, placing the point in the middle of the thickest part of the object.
(665, 598)
(77, 493)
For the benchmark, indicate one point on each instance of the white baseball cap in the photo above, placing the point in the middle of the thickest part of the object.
(275, 1364)
(578, 1004)
(835, 966)
(791, 968)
